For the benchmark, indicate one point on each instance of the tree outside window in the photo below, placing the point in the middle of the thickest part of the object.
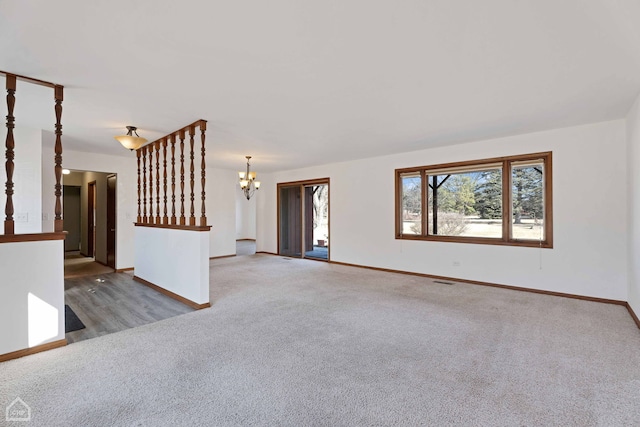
(466, 201)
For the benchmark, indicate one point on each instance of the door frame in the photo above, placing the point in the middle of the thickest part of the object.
(91, 223)
(112, 210)
(303, 184)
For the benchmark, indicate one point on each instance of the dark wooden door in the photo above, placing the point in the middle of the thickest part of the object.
(91, 220)
(111, 221)
(71, 206)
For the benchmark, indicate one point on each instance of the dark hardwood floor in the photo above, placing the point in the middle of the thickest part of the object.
(77, 265)
(113, 302)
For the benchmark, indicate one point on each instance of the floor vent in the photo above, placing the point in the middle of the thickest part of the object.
(443, 283)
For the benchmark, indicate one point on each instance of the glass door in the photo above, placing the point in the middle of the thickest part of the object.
(303, 219)
(290, 221)
(316, 224)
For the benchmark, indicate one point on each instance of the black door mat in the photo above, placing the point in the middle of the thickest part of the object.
(71, 320)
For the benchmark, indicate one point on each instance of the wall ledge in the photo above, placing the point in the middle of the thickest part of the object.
(33, 237)
(175, 226)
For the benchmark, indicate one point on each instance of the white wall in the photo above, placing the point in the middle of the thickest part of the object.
(48, 181)
(266, 221)
(245, 214)
(633, 158)
(176, 260)
(27, 176)
(590, 214)
(31, 294)
(31, 299)
(221, 211)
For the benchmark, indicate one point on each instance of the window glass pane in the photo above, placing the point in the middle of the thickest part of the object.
(527, 202)
(467, 204)
(316, 223)
(411, 204)
(290, 221)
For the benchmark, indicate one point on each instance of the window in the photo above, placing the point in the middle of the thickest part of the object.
(503, 201)
(411, 203)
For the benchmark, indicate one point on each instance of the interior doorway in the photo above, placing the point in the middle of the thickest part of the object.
(246, 220)
(89, 204)
(71, 211)
(111, 221)
(303, 219)
(91, 220)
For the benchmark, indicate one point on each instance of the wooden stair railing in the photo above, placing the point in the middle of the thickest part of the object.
(163, 147)
(10, 144)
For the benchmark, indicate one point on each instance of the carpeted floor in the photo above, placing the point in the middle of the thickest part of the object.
(296, 342)
(245, 247)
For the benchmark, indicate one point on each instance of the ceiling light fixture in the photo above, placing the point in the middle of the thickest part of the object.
(248, 182)
(129, 141)
(66, 171)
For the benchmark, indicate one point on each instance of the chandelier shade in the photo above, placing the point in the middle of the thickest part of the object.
(129, 141)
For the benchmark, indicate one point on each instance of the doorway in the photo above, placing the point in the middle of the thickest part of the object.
(111, 221)
(91, 220)
(71, 205)
(246, 220)
(303, 219)
(94, 250)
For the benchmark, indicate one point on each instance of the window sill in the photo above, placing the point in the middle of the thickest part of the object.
(479, 241)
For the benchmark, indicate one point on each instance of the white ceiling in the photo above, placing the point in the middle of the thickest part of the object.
(297, 83)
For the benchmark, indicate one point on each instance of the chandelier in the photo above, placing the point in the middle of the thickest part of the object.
(248, 183)
(129, 141)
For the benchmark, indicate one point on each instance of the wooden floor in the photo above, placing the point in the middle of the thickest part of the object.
(76, 265)
(114, 302)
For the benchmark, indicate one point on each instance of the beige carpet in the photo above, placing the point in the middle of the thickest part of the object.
(245, 247)
(299, 343)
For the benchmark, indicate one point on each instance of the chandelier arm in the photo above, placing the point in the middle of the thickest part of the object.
(249, 189)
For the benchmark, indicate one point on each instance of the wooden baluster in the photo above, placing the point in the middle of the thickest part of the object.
(139, 219)
(144, 184)
(182, 218)
(9, 227)
(173, 179)
(150, 151)
(203, 217)
(192, 133)
(58, 225)
(158, 219)
(165, 219)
